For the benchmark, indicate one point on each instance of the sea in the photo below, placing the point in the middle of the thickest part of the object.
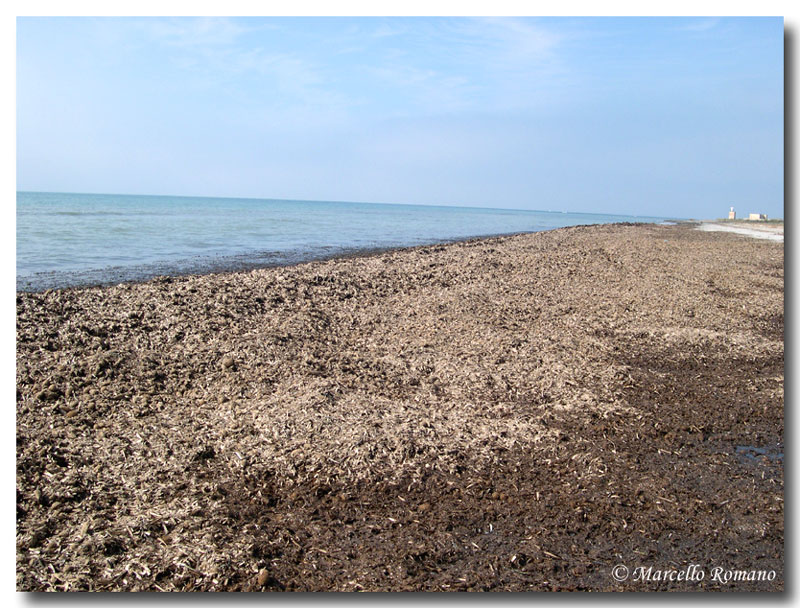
(71, 240)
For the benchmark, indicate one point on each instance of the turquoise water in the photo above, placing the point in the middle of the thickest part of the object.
(66, 240)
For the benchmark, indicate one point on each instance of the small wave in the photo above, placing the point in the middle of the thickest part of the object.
(97, 213)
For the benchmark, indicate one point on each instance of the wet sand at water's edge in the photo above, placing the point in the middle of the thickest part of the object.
(516, 413)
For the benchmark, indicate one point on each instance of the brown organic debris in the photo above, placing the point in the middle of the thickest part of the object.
(411, 420)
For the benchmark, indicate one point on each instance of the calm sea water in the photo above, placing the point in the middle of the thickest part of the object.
(66, 240)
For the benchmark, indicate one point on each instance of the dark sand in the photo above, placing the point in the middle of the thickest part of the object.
(518, 413)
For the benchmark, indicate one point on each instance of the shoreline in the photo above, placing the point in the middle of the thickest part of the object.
(227, 268)
(147, 273)
(501, 414)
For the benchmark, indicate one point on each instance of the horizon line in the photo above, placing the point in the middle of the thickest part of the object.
(300, 200)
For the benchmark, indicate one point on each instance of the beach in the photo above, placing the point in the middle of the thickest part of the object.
(506, 414)
(756, 230)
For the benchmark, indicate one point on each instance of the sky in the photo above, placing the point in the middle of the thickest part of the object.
(668, 117)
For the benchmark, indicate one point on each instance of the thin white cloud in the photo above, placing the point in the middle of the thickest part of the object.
(520, 39)
(469, 63)
(700, 25)
(385, 31)
(195, 32)
(216, 52)
(293, 76)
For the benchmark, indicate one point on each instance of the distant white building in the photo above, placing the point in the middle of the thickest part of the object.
(731, 214)
(758, 217)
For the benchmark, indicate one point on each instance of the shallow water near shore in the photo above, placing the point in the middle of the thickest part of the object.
(68, 240)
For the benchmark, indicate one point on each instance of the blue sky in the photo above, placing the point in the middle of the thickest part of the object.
(679, 117)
